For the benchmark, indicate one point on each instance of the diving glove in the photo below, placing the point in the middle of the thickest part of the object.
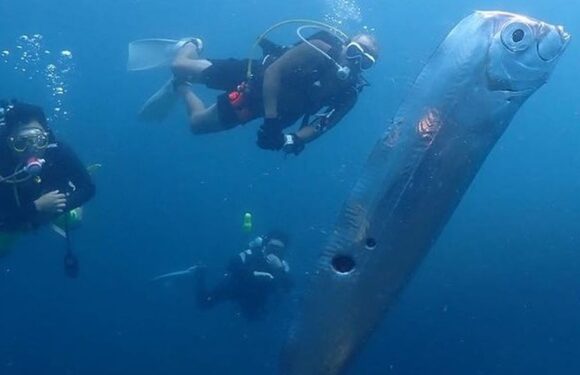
(270, 136)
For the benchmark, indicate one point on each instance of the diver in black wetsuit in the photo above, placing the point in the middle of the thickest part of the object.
(251, 277)
(40, 178)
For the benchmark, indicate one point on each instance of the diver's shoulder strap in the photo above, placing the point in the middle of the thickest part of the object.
(330, 39)
(270, 48)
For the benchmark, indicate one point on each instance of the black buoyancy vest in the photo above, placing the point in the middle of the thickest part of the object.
(272, 51)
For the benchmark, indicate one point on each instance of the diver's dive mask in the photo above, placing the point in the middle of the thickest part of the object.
(354, 51)
(30, 140)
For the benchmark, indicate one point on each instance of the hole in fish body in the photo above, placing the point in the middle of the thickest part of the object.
(370, 244)
(343, 264)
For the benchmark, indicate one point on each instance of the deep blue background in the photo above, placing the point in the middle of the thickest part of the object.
(499, 293)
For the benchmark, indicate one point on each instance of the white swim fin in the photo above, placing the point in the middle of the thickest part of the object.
(176, 274)
(150, 53)
(147, 54)
(158, 106)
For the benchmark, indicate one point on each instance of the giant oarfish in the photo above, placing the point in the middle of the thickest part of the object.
(457, 109)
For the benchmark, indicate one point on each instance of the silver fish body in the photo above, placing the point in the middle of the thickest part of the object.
(457, 109)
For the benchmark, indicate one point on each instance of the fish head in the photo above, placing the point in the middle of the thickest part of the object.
(523, 52)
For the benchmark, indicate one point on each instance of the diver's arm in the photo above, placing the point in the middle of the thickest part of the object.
(322, 123)
(271, 89)
(302, 57)
(81, 186)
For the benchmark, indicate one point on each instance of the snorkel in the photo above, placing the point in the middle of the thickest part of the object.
(343, 72)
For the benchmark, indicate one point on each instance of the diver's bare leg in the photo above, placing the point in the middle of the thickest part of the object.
(201, 119)
(187, 65)
(193, 103)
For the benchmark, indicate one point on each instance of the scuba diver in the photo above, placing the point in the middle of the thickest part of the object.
(251, 277)
(318, 77)
(41, 179)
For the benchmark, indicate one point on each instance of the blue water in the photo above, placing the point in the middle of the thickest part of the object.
(498, 294)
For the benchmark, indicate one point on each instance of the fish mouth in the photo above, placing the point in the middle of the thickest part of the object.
(565, 35)
(553, 43)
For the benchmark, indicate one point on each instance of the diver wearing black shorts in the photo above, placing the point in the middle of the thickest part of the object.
(241, 102)
(319, 77)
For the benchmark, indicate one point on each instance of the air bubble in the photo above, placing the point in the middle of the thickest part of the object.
(30, 58)
(342, 11)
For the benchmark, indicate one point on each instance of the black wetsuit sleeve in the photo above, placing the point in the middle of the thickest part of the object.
(81, 187)
(18, 218)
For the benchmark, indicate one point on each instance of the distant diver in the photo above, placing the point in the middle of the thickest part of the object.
(318, 77)
(251, 277)
(42, 180)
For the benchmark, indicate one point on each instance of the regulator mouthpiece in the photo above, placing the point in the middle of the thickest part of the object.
(33, 166)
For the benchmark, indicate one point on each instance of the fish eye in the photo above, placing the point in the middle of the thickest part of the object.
(517, 36)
